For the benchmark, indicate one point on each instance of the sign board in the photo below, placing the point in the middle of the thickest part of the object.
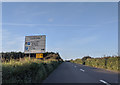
(39, 55)
(35, 44)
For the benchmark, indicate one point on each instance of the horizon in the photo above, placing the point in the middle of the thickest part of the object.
(72, 29)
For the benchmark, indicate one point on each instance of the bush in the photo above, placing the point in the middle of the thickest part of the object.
(96, 62)
(79, 61)
(41, 74)
(91, 62)
(110, 63)
(27, 71)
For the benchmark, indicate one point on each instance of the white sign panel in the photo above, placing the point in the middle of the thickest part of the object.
(35, 44)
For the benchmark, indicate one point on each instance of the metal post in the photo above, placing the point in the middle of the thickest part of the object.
(29, 55)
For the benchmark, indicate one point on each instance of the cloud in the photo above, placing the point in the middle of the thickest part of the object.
(72, 47)
(38, 13)
(81, 41)
(111, 21)
(50, 19)
(86, 40)
(11, 42)
(59, 25)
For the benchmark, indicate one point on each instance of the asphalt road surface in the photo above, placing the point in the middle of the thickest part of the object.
(69, 72)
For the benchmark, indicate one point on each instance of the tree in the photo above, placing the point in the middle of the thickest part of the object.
(85, 58)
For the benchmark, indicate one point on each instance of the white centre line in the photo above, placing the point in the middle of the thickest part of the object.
(104, 82)
(82, 70)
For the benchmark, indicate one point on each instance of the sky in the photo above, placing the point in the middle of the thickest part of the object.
(59, 0)
(73, 29)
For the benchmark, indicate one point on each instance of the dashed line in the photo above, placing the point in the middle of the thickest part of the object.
(104, 82)
(82, 70)
(75, 66)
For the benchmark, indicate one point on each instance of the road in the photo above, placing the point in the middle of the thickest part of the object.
(69, 72)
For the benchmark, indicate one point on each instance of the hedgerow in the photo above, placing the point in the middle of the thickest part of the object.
(110, 63)
(27, 70)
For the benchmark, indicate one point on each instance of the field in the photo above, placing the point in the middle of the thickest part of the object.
(27, 70)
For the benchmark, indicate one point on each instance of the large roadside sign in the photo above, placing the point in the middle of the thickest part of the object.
(35, 44)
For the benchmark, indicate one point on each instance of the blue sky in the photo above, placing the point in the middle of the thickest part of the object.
(72, 29)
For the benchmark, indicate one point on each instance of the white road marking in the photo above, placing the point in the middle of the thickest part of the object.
(82, 70)
(75, 66)
(104, 82)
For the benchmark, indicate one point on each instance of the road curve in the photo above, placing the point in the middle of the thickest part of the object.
(69, 72)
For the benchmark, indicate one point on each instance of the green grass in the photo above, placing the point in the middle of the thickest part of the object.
(110, 63)
(27, 70)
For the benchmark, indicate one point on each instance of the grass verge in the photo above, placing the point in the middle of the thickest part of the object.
(27, 70)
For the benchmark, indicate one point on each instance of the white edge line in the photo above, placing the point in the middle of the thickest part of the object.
(104, 82)
(82, 70)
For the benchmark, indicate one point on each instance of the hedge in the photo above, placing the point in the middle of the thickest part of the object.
(79, 61)
(110, 63)
(27, 71)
